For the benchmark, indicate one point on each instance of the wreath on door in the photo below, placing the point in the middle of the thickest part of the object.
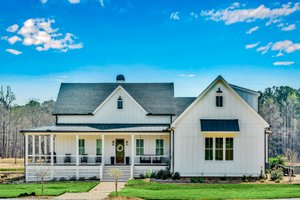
(120, 148)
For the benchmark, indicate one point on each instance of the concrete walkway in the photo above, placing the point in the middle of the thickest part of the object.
(101, 191)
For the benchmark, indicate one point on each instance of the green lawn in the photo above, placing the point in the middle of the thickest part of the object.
(51, 189)
(148, 190)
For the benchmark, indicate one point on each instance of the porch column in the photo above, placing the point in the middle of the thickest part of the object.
(33, 149)
(102, 156)
(45, 145)
(51, 148)
(77, 150)
(26, 150)
(40, 146)
(132, 156)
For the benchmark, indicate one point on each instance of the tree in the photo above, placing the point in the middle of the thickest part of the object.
(41, 173)
(116, 174)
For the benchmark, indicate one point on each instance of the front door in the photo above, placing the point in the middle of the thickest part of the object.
(120, 151)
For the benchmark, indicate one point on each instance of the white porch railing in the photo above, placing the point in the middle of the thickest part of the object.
(67, 159)
(151, 159)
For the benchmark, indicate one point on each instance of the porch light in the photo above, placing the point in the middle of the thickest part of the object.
(113, 143)
(219, 91)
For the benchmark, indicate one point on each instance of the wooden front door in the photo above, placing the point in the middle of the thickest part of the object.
(120, 151)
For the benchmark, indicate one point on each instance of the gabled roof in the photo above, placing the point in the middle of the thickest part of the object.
(219, 78)
(84, 98)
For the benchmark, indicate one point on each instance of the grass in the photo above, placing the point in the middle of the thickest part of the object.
(51, 188)
(11, 169)
(150, 190)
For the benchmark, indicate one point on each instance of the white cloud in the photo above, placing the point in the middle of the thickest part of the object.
(289, 27)
(175, 15)
(233, 14)
(101, 3)
(13, 51)
(283, 63)
(39, 32)
(250, 46)
(187, 75)
(251, 30)
(264, 49)
(12, 28)
(14, 39)
(44, 1)
(286, 46)
(74, 1)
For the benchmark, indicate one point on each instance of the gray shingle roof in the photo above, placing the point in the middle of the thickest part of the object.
(181, 103)
(101, 128)
(84, 98)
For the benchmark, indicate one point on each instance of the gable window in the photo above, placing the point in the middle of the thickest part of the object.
(139, 147)
(120, 103)
(81, 146)
(219, 98)
(208, 148)
(159, 149)
(229, 149)
(98, 147)
(219, 149)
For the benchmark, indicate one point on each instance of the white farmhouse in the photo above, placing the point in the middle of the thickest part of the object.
(138, 127)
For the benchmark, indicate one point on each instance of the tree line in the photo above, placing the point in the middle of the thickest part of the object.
(279, 106)
(14, 118)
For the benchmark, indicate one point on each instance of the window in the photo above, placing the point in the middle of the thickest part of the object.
(120, 103)
(219, 98)
(219, 149)
(139, 147)
(159, 147)
(81, 146)
(98, 147)
(208, 148)
(229, 149)
(219, 101)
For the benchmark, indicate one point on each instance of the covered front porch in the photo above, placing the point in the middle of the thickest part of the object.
(85, 154)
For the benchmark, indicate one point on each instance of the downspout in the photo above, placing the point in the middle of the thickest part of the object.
(266, 148)
(56, 119)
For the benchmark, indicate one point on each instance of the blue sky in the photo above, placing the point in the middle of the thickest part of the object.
(255, 44)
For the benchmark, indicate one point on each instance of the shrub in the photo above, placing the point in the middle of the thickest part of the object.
(54, 179)
(148, 174)
(81, 179)
(197, 179)
(176, 176)
(261, 176)
(93, 178)
(276, 175)
(142, 176)
(278, 160)
(246, 178)
(62, 179)
(73, 178)
(224, 178)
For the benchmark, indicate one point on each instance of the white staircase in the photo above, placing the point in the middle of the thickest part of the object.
(125, 169)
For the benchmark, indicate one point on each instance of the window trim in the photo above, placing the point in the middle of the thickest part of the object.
(98, 147)
(214, 149)
(162, 147)
(80, 148)
(120, 103)
(219, 101)
(139, 147)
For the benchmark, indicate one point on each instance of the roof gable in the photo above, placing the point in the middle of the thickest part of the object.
(203, 94)
(84, 98)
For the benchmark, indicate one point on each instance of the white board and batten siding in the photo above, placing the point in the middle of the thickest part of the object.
(248, 143)
(108, 113)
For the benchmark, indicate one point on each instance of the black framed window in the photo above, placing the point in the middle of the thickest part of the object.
(219, 149)
(229, 149)
(209, 148)
(120, 103)
(219, 101)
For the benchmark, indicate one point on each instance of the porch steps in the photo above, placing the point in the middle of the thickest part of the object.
(125, 169)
